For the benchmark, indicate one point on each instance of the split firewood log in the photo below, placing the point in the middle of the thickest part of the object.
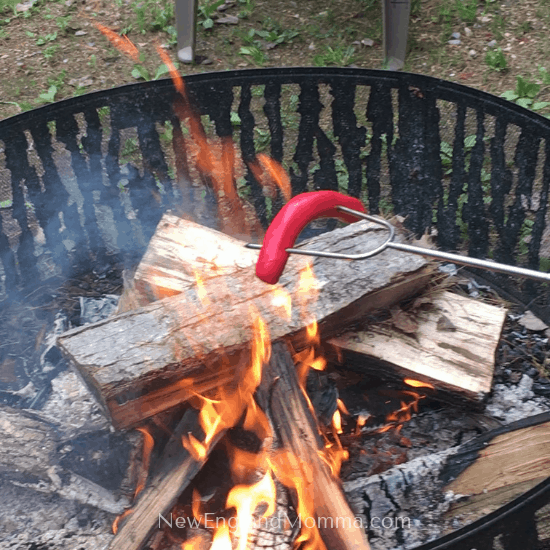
(449, 341)
(145, 361)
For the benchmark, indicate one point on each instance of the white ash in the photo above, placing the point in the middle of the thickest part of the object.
(73, 406)
(514, 403)
(35, 520)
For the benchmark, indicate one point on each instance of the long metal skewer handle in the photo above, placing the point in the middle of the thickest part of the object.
(430, 253)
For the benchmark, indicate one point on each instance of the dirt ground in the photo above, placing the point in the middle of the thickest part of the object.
(51, 50)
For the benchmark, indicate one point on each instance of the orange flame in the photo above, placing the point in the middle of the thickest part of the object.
(221, 539)
(201, 290)
(342, 407)
(216, 415)
(282, 299)
(119, 518)
(270, 175)
(174, 75)
(418, 383)
(361, 421)
(296, 474)
(196, 506)
(337, 421)
(246, 498)
(190, 543)
(121, 43)
(148, 444)
(244, 463)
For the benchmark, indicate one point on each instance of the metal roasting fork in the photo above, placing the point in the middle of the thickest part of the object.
(437, 254)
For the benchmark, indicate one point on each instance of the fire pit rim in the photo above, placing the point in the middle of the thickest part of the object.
(450, 91)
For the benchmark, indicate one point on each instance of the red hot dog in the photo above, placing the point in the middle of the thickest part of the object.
(289, 222)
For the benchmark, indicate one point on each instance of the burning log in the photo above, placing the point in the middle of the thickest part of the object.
(176, 470)
(145, 361)
(297, 431)
(451, 346)
(29, 457)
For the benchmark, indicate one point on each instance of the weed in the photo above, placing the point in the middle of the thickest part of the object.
(255, 53)
(525, 93)
(154, 15)
(272, 31)
(235, 119)
(170, 30)
(129, 147)
(544, 75)
(168, 133)
(103, 113)
(80, 90)
(50, 51)
(335, 56)
(262, 139)
(63, 22)
(46, 38)
(496, 60)
(271, 34)
(93, 61)
(49, 96)
(524, 28)
(59, 81)
(247, 8)
(525, 236)
(139, 71)
(206, 11)
(342, 174)
(445, 14)
(6, 5)
(415, 7)
(466, 10)
(497, 27)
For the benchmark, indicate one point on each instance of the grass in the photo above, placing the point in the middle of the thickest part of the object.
(53, 36)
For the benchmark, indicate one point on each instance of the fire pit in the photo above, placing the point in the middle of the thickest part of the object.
(85, 182)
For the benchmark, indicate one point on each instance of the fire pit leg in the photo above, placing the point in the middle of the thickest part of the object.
(186, 16)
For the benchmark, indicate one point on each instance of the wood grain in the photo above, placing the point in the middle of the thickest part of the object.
(453, 347)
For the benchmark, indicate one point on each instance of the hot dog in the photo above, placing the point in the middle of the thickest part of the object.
(289, 222)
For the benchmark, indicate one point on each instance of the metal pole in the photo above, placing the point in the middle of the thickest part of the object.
(429, 252)
(186, 18)
(395, 17)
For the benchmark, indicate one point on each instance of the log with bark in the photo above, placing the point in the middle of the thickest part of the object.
(145, 361)
(450, 343)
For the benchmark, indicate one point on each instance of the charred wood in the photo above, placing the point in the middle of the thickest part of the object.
(32, 455)
(176, 470)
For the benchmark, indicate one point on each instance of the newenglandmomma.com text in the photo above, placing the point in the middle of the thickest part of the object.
(277, 522)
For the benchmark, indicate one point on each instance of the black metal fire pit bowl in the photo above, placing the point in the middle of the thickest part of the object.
(83, 182)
